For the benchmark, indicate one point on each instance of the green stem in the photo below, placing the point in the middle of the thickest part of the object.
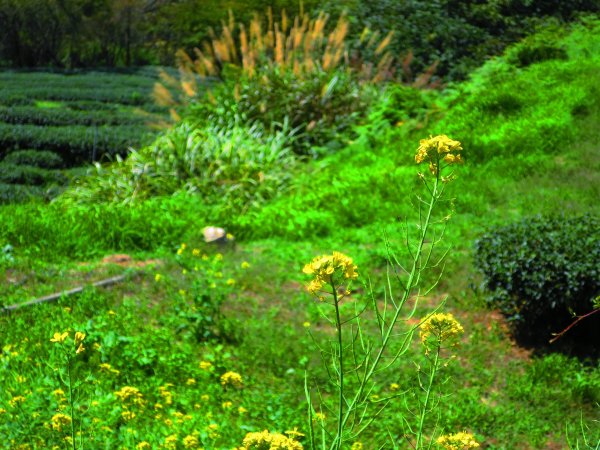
(428, 396)
(338, 323)
(71, 403)
(409, 284)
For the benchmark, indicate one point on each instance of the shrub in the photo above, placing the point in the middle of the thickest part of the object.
(37, 158)
(292, 71)
(235, 168)
(541, 270)
(28, 175)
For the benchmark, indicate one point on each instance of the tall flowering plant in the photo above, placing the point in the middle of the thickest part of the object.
(357, 356)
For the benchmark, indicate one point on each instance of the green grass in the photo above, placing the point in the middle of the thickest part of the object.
(533, 146)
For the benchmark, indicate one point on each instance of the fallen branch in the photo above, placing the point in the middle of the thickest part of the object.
(56, 296)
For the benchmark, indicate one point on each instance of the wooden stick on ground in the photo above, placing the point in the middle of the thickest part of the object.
(56, 296)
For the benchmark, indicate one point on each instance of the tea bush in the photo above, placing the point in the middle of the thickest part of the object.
(37, 158)
(541, 270)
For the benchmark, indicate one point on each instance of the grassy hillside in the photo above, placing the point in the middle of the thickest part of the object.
(158, 344)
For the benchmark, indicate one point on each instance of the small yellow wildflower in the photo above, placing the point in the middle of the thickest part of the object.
(394, 387)
(181, 249)
(357, 446)
(129, 394)
(264, 439)
(60, 420)
(230, 282)
(80, 349)
(59, 337)
(319, 416)
(144, 445)
(168, 423)
(229, 236)
(111, 312)
(58, 393)
(458, 441)
(326, 267)
(245, 265)
(306, 324)
(13, 402)
(157, 277)
(442, 326)
(242, 410)
(171, 442)
(79, 337)
(128, 415)
(232, 379)
(182, 292)
(219, 257)
(105, 367)
(227, 405)
(204, 398)
(191, 441)
(190, 381)
(437, 149)
(205, 365)
(196, 252)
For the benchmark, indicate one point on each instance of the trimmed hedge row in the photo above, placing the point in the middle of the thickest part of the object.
(37, 158)
(75, 144)
(29, 175)
(19, 95)
(20, 115)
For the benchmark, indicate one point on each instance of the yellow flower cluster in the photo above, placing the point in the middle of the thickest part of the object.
(59, 338)
(272, 441)
(232, 379)
(59, 421)
(458, 441)
(325, 267)
(129, 394)
(442, 326)
(437, 149)
(191, 441)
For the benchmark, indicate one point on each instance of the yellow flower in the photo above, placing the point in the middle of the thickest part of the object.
(157, 277)
(230, 282)
(242, 410)
(79, 337)
(59, 337)
(394, 387)
(190, 381)
(129, 394)
(58, 392)
(458, 441)
(59, 420)
(205, 365)
(171, 442)
(80, 349)
(204, 398)
(437, 149)
(16, 400)
(306, 324)
(227, 405)
(264, 439)
(128, 415)
(191, 441)
(105, 367)
(326, 267)
(143, 446)
(232, 379)
(196, 252)
(443, 327)
(357, 446)
(319, 416)
(111, 312)
(245, 265)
